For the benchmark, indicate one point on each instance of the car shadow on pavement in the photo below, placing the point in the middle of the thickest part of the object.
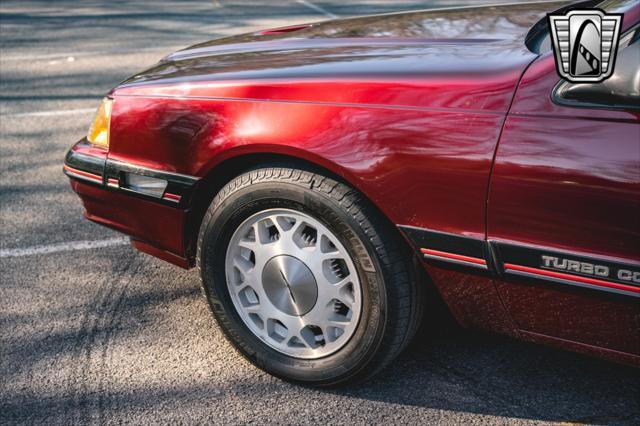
(125, 348)
(482, 373)
(464, 373)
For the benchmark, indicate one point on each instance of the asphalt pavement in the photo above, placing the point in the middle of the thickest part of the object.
(92, 331)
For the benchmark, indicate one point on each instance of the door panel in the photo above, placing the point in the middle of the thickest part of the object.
(565, 198)
(572, 182)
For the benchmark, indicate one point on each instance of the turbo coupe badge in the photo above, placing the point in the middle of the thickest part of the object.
(585, 44)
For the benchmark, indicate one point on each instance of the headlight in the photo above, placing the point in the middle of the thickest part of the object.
(99, 130)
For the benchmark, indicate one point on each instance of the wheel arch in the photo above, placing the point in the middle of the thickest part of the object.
(226, 169)
(232, 166)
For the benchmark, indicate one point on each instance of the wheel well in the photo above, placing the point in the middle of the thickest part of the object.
(223, 173)
(220, 175)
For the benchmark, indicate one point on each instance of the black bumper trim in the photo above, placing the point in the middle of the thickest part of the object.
(113, 167)
(110, 175)
(84, 163)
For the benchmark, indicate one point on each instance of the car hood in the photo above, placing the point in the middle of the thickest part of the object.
(465, 44)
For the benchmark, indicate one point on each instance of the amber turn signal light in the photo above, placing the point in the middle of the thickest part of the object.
(99, 130)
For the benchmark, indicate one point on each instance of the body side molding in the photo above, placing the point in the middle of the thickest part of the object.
(568, 268)
(446, 248)
(522, 261)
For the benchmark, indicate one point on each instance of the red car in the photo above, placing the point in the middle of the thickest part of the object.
(329, 179)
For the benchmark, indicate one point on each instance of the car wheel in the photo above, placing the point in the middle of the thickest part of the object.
(305, 277)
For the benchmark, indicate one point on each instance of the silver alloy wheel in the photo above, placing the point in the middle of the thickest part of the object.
(293, 283)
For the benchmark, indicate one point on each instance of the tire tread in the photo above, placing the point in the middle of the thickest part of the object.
(404, 296)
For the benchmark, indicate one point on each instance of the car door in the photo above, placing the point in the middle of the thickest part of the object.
(564, 207)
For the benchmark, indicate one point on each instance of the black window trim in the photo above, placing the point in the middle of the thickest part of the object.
(629, 37)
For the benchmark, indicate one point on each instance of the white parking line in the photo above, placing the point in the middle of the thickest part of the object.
(50, 113)
(68, 246)
(317, 8)
(74, 55)
(44, 56)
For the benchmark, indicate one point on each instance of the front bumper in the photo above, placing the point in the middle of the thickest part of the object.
(156, 223)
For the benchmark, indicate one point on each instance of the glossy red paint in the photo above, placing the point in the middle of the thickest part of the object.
(362, 144)
(141, 219)
(551, 191)
(395, 116)
(473, 300)
(458, 135)
(563, 313)
(160, 254)
(569, 178)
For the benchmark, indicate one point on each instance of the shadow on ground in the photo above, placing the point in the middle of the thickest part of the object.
(452, 370)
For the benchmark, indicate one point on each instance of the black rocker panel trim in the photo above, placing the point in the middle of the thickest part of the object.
(452, 249)
(521, 261)
(562, 267)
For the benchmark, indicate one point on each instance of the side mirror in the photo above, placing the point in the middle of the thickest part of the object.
(621, 90)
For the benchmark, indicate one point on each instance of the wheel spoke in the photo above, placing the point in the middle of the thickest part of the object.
(293, 283)
(343, 291)
(250, 245)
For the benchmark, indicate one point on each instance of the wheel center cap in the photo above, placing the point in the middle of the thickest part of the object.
(289, 285)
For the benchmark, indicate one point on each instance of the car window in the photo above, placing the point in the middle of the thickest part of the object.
(621, 90)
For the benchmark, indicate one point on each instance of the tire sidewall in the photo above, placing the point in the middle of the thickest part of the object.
(225, 216)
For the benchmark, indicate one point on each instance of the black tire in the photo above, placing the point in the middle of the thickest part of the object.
(391, 308)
